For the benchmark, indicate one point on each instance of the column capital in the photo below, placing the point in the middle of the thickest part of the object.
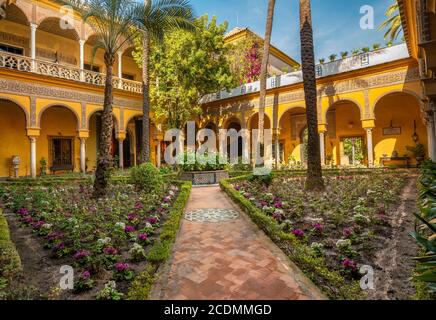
(322, 128)
(368, 123)
(121, 135)
(33, 26)
(82, 42)
(33, 132)
(83, 134)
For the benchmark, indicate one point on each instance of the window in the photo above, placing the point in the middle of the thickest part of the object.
(62, 153)
(318, 71)
(11, 49)
(364, 59)
(128, 76)
(93, 68)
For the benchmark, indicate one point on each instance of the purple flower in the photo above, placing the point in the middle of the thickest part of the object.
(318, 227)
(129, 229)
(298, 233)
(110, 251)
(39, 224)
(278, 205)
(54, 236)
(85, 275)
(277, 216)
(132, 216)
(122, 266)
(347, 232)
(152, 220)
(142, 237)
(60, 246)
(237, 188)
(139, 206)
(27, 219)
(349, 264)
(263, 203)
(81, 254)
(23, 212)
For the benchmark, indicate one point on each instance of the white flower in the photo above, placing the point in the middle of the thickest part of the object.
(104, 240)
(343, 243)
(148, 225)
(47, 226)
(120, 225)
(279, 211)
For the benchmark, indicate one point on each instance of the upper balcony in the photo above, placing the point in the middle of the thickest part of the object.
(35, 38)
(361, 61)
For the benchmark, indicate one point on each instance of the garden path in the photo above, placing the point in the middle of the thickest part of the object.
(229, 258)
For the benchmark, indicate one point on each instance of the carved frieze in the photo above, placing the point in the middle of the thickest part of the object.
(31, 89)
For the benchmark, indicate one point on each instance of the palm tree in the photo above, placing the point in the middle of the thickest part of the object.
(264, 68)
(113, 25)
(161, 16)
(314, 179)
(393, 22)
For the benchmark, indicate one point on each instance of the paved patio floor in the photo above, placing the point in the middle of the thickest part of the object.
(227, 259)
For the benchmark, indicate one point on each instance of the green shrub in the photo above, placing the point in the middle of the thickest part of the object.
(141, 286)
(147, 177)
(10, 262)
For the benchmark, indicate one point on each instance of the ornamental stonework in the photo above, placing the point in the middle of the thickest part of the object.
(31, 89)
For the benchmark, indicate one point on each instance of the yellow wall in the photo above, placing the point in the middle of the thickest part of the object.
(402, 110)
(13, 139)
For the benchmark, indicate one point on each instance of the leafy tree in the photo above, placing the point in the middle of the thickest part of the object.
(245, 58)
(314, 180)
(184, 68)
(161, 17)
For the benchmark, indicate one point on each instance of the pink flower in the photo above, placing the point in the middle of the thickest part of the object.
(23, 212)
(132, 216)
(298, 233)
(142, 236)
(39, 224)
(129, 229)
(318, 227)
(122, 266)
(81, 254)
(85, 275)
(152, 220)
(139, 206)
(110, 251)
(349, 264)
(277, 216)
(347, 232)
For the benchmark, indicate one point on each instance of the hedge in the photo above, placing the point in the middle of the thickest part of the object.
(161, 250)
(10, 261)
(332, 283)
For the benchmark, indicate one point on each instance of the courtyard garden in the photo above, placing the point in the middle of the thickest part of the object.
(362, 221)
(114, 244)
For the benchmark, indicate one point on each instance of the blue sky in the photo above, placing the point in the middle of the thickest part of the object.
(336, 22)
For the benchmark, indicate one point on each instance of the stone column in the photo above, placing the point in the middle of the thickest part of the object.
(431, 137)
(83, 155)
(121, 152)
(322, 147)
(370, 146)
(82, 59)
(158, 154)
(120, 67)
(33, 156)
(33, 28)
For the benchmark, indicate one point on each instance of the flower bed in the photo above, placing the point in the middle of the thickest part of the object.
(329, 235)
(109, 242)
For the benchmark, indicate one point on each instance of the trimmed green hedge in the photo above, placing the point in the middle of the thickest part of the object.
(161, 250)
(332, 283)
(10, 261)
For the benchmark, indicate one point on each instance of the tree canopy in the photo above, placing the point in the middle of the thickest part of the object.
(185, 67)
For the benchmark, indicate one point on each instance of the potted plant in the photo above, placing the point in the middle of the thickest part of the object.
(418, 152)
(332, 57)
(43, 164)
(322, 61)
(376, 46)
(344, 54)
(366, 49)
(355, 52)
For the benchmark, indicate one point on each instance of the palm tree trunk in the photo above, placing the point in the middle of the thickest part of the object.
(145, 152)
(314, 179)
(104, 160)
(264, 70)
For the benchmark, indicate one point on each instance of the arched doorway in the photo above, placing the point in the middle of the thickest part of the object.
(399, 128)
(345, 139)
(58, 145)
(291, 125)
(14, 140)
(235, 125)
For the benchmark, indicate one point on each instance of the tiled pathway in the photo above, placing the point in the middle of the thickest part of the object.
(229, 259)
